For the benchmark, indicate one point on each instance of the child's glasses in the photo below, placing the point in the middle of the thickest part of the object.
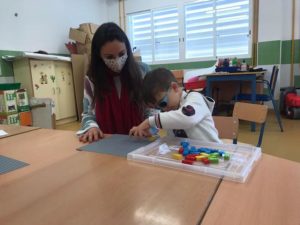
(163, 102)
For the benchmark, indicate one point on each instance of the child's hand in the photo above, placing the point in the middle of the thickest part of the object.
(141, 130)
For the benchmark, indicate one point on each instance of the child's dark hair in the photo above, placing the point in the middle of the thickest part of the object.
(155, 81)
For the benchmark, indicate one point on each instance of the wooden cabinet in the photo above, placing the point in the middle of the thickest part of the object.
(49, 79)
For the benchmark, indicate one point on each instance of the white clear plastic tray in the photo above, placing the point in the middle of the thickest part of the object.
(242, 158)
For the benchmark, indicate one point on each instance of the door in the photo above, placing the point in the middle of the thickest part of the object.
(65, 90)
(44, 80)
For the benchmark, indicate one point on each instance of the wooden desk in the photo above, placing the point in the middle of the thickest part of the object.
(271, 196)
(241, 76)
(14, 130)
(65, 186)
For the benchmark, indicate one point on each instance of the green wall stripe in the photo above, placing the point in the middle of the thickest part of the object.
(268, 53)
(188, 65)
(297, 81)
(286, 52)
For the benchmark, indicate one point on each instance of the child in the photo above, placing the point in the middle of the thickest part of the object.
(187, 114)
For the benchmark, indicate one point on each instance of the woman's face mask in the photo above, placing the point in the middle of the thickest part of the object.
(114, 55)
(116, 64)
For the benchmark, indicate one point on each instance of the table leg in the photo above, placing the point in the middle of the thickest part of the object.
(253, 98)
(208, 88)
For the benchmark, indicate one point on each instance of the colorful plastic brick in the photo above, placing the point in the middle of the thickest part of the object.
(213, 160)
(190, 157)
(193, 149)
(177, 156)
(215, 154)
(185, 152)
(226, 156)
(204, 154)
(180, 151)
(184, 144)
(205, 161)
(185, 161)
(200, 157)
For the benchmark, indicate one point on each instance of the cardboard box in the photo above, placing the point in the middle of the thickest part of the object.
(83, 37)
(8, 102)
(77, 35)
(12, 119)
(79, 67)
(25, 118)
(22, 100)
(178, 74)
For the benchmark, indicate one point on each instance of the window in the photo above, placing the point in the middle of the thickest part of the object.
(155, 33)
(211, 28)
(165, 34)
(141, 34)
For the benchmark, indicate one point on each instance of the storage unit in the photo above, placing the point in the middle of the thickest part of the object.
(49, 79)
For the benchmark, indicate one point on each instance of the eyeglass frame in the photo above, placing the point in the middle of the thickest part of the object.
(163, 103)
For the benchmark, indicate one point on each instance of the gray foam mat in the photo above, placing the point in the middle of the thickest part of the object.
(8, 164)
(116, 144)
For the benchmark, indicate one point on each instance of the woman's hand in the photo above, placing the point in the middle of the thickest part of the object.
(93, 134)
(141, 130)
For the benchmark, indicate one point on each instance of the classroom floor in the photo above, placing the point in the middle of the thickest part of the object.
(282, 144)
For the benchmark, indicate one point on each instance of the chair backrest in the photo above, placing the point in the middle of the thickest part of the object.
(252, 113)
(273, 79)
(227, 127)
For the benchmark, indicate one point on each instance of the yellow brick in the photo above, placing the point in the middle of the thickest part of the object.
(199, 157)
(177, 156)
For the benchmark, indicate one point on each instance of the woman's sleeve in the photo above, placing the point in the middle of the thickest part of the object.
(88, 115)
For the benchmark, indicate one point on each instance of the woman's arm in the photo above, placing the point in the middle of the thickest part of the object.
(88, 115)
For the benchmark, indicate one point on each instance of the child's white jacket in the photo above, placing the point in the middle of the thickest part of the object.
(193, 116)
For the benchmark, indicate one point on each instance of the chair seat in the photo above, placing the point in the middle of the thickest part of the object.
(259, 97)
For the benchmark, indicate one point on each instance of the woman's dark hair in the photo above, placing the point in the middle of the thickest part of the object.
(155, 81)
(130, 75)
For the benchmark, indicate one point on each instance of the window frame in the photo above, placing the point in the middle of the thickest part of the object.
(182, 35)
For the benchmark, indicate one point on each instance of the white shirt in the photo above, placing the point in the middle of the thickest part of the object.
(193, 116)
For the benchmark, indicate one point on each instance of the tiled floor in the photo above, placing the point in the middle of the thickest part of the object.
(282, 144)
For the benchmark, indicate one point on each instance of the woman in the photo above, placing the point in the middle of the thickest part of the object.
(112, 97)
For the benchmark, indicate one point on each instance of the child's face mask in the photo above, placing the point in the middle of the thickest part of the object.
(117, 64)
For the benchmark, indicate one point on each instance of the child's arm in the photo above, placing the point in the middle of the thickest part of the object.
(141, 130)
(193, 110)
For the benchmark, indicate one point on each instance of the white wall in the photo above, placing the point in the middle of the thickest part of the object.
(275, 23)
(44, 24)
(270, 20)
(297, 20)
(113, 11)
(275, 20)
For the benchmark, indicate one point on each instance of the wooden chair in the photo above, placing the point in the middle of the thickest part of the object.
(228, 126)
